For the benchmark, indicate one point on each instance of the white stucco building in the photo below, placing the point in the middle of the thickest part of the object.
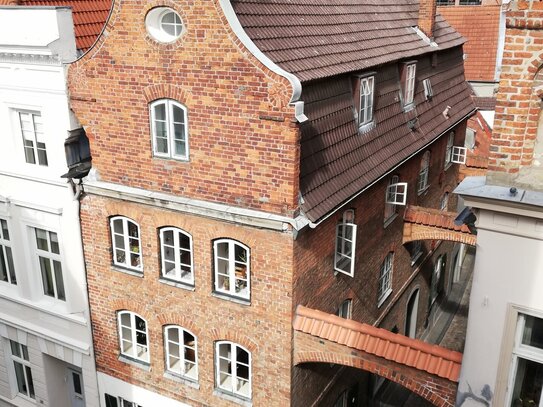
(46, 356)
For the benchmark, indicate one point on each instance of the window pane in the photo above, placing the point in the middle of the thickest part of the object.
(528, 383)
(118, 226)
(54, 242)
(25, 352)
(19, 374)
(11, 267)
(111, 401)
(61, 295)
(41, 239)
(77, 383)
(15, 350)
(5, 231)
(47, 277)
(178, 115)
(160, 112)
(30, 382)
(3, 265)
(42, 154)
(533, 332)
(125, 319)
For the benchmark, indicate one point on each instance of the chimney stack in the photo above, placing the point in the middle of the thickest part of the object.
(427, 17)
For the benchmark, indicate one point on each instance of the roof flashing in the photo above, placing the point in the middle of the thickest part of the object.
(424, 37)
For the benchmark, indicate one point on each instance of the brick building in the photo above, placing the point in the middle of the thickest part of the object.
(243, 157)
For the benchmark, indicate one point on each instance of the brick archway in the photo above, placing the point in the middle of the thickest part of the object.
(428, 370)
(432, 224)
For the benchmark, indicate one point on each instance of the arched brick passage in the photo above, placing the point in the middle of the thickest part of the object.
(428, 370)
(433, 224)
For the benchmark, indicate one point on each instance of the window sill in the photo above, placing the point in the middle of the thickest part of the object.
(423, 191)
(232, 397)
(409, 107)
(178, 284)
(166, 157)
(180, 379)
(384, 297)
(125, 270)
(138, 363)
(231, 298)
(364, 128)
(389, 220)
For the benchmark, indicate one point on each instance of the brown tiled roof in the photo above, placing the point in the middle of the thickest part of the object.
(480, 25)
(484, 103)
(433, 217)
(380, 342)
(314, 39)
(337, 162)
(89, 17)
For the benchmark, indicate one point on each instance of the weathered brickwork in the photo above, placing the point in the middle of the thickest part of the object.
(243, 144)
(315, 285)
(519, 98)
(263, 326)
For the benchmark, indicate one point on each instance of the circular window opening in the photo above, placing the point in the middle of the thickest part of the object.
(164, 24)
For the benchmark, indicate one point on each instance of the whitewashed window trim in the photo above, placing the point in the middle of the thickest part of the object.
(448, 150)
(344, 257)
(428, 92)
(34, 146)
(22, 369)
(233, 374)
(385, 278)
(422, 183)
(367, 89)
(133, 336)
(232, 271)
(7, 268)
(409, 91)
(50, 263)
(176, 255)
(181, 352)
(166, 142)
(459, 155)
(397, 193)
(126, 242)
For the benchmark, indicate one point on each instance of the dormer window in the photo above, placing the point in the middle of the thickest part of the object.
(408, 72)
(365, 113)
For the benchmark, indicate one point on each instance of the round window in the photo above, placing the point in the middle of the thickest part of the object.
(164, 24)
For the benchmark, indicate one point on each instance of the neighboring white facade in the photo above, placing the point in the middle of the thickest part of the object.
(503, 362)
(46, 356)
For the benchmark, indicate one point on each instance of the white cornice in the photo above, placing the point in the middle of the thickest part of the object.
(33, 59)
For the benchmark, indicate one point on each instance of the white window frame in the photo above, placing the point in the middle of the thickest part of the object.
(231, 281)
(232, 364)
(170, 130)
(35, 136)
(409, 85)
(428, 91)
(448, 150)
(385, 278)
(119, 401)
(522, 351)
(48, 260)
(131, 337)
(422, 181)
(181, 272)
(6, 254)
(342, 242)
(187, 368)
(127, 250)
(396, 192)
(154, 22)
(459, 155)
(367, 92)
(345, 310)
(24, 361)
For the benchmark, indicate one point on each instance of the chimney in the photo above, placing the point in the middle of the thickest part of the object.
(427, 17)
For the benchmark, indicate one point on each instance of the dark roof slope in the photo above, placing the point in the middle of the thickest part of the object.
(89, 17)
(314, 39)
(337, 161)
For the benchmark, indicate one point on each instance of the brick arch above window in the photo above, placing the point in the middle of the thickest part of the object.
(226, 334)
(173, 318)
(132, 306)
(167, 91)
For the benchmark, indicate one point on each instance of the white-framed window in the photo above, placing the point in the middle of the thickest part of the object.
(345, 309)
(125, 238)
(176, 255)
(437, 275)
(164, 24)
(169, 128)
(112, 401)
(526, 374)
(233, 368)
(232, 268)
(428, 92)
(409, 73)
(31, 125)
(345, 244)
(22, 368)
(444, 203)
(396, 194)
(367, 87)
(7, 269)
(448, 150)
(181, 352)
(422, 183)
(133, 336)
(385, 278)
(48, 254)
(459, 155)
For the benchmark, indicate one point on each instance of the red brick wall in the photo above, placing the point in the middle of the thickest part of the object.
(243, 144)
(315, 285)
(264, 326)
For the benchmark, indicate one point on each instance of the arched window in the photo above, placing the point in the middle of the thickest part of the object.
(133, 336)
(422, 184)
(169, 128)
(125, 237)
(233, 368)
(181, 352)
(176, 255)
(232, 268)
(411, 315)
